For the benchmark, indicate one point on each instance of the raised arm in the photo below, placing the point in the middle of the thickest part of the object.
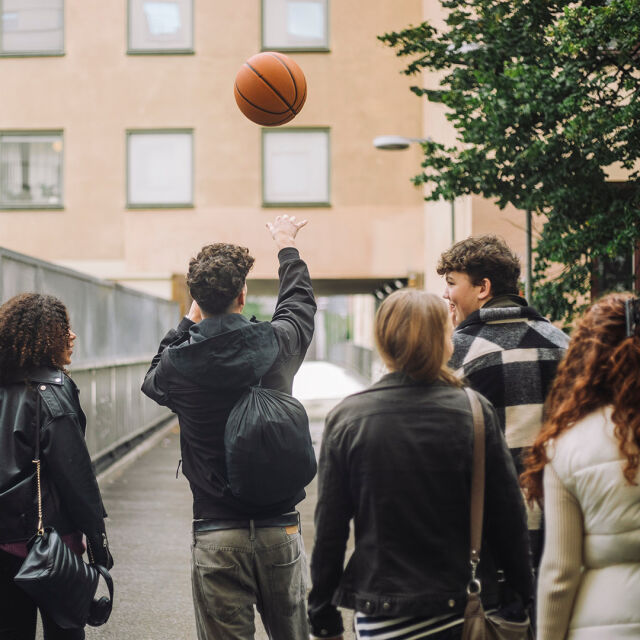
(296, 306)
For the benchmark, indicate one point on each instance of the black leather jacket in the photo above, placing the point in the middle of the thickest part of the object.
(71, 499)
(396, 459)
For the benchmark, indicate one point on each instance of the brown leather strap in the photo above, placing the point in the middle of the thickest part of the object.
(477, 478)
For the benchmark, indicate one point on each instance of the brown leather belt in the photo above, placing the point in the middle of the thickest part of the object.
(215, 524)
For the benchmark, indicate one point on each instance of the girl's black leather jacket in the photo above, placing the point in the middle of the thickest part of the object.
(71, 499)
(396, 458)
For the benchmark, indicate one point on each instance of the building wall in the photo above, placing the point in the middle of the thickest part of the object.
(473, 215)
(95, 92)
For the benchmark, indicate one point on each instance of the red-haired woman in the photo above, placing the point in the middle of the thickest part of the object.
(584, 464)
(36, 343)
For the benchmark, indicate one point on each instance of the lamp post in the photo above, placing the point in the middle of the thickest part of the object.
(400, 143)
(528, 264)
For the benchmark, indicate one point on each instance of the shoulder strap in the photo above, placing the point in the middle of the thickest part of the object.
(37, 398)
(477, 484)
(36, 459)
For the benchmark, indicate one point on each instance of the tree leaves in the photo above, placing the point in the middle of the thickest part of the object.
(543, 96)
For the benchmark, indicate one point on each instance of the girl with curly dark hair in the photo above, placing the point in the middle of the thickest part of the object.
(34, 332)
(584, 464)
(36, 344)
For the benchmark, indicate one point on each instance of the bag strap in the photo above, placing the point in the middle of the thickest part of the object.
(477, 489)
(107, 578)
(36, 460)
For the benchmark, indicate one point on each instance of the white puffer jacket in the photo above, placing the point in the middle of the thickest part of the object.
(589, 587)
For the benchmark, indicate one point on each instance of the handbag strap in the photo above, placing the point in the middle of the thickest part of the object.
(477, 489)
(36, 460)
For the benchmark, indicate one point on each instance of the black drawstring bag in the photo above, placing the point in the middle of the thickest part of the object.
(56, 578)
(268, 447)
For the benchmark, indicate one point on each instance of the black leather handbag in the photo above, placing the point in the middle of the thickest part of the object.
(56, 578)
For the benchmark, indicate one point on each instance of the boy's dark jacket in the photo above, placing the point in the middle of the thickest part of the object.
(201, 370)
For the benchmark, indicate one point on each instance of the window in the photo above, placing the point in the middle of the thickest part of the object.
(31, 27)
(160, 26)
(160, 169)
(295, 167)
(294, 25)
(30, 170)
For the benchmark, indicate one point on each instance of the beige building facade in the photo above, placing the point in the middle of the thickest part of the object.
(122, 150)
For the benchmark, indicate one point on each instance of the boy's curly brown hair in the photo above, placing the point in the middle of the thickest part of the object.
(34, 332)
(482, 257)
(217, 274)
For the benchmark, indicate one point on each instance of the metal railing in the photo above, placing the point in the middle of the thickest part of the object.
(118, 331)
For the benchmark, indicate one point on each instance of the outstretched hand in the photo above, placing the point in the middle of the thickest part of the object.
(284, 230)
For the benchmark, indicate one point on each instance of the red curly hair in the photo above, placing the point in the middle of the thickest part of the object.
(601, 367)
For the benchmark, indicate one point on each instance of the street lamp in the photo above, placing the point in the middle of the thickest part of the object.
(396, 143)
(399, 143)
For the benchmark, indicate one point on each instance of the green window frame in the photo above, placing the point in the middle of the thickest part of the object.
(23, 171)
(16, 18)
(133, 164)
(161, 23)
(280, 19)
(319, 193)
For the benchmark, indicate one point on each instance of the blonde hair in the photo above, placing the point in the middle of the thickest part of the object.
(410, 331)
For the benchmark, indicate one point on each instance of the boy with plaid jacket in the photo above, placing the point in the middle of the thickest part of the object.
(503, 347)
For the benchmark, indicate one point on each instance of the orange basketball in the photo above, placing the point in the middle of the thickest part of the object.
(270, 89)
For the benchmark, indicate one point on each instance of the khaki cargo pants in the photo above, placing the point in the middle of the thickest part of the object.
(234, 569)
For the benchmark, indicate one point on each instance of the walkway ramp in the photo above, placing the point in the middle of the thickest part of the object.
(149, 526)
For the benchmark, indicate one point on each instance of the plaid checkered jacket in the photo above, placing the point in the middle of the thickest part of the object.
(510, 355)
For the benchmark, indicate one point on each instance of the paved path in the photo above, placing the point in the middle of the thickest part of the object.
(149, 532)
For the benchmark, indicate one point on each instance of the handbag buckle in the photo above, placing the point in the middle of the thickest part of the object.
(474, 587)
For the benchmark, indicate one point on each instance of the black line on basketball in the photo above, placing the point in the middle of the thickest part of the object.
(258, 107)
(304, 97)
(275, 124)
(286, 66)
(270, 86)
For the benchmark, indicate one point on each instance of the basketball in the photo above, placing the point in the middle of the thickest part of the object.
(270, 89)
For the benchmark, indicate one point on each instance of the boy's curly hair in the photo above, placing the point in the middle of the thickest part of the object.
(34, 332)
(481, 257)
(217, 274)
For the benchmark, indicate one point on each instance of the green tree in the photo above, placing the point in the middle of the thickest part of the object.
(544, 95)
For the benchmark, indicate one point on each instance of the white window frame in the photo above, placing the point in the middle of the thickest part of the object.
(318, 163)
(135, 11)
(134, 202)
(35, 52)
(57, 140)
(274, 17)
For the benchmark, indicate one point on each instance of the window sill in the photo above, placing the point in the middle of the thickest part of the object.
(138, 207)
(160, 52)
(32, 207)
(296, 205)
